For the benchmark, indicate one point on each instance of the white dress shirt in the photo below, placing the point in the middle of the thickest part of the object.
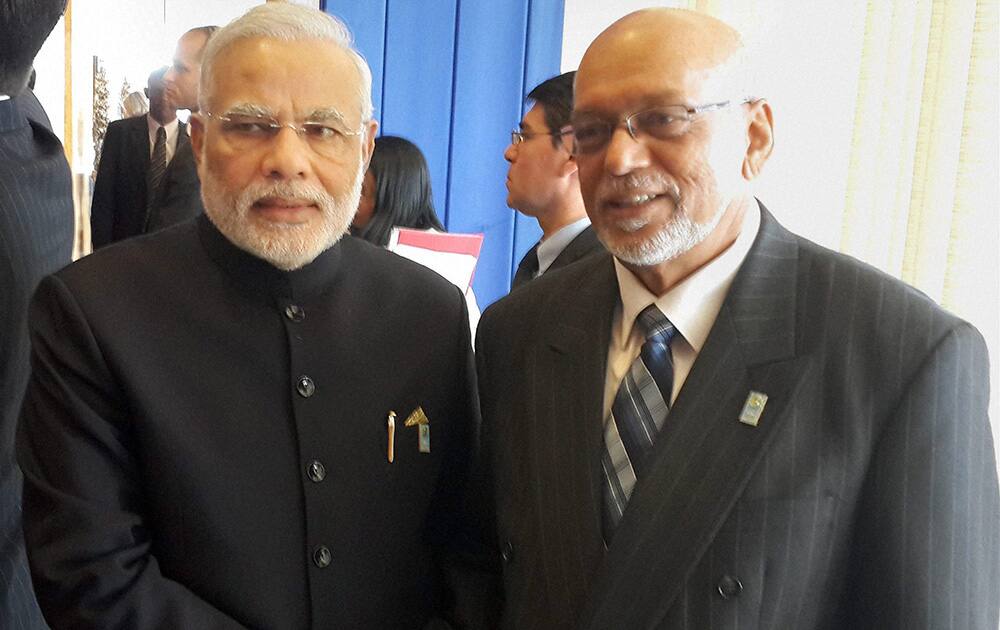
(171, 128)
(691, 306)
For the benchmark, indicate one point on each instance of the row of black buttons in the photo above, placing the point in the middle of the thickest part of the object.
(316, 471)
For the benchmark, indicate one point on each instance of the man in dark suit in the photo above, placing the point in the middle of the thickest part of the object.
(36, 238)
(240, 421)
(180, 196)
(542, 181)
(722, 424)
(137, 153)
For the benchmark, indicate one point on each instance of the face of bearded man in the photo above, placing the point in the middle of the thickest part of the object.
(287, 246)
(282, 146)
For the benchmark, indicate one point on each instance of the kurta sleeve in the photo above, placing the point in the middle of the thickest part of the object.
(92, 560)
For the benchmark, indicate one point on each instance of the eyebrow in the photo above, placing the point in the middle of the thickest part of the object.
(326, 113)
(250, 109)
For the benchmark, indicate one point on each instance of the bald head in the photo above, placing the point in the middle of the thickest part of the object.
(702, 54)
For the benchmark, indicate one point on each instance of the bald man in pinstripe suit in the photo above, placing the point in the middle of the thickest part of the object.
(813, 448)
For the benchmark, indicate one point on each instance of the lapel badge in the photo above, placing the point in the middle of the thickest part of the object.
(419, 419)
(753, 407)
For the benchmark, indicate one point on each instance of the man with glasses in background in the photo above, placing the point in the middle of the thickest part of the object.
(247, 420)
(542, 181)
(722, 424)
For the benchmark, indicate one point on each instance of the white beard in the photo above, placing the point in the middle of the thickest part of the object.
(678, 236)
(286, 246)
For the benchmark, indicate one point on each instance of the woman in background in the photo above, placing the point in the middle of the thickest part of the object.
(396, 193)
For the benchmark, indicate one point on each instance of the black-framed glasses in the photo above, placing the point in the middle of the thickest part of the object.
(592, 134)
(517, 136)
(248, 131)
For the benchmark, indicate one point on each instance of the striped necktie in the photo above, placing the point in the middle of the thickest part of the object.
(637, 414)
(157, 167)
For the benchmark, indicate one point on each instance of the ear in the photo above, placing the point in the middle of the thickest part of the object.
(197, 124)
(569, 166)
(368, 141)
(760, 137)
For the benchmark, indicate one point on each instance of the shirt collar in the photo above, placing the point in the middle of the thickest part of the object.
(4, 97)
(170, 127)
(693, 304)
(550, 248)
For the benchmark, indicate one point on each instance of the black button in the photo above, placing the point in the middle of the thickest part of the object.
(729, 586)
(295, 312)
(316, 471)
(507, 551)
(322, 556)
(305, 387)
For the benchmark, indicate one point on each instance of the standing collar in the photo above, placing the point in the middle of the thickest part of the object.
(261, 278)
(692, 304)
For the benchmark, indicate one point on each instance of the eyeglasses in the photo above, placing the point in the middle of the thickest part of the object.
(249, 131)
(517, 137)
(591, 134)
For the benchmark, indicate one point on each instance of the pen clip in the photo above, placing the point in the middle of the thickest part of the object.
(391, 427)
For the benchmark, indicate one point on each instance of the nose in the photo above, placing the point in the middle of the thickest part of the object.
(624, 153)
(286, 156)
(509, 152)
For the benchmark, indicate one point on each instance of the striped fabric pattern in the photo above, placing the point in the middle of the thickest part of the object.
(637, 415)
(36, 238)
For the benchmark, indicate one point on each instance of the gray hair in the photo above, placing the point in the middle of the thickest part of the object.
(287, 22)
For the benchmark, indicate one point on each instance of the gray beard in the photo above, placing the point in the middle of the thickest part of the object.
(677, 237)
(287, 247)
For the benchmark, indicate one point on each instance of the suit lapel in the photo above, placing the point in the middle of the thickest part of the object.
(704, 456)
(581, 245)
(138, 139)
(570, 371)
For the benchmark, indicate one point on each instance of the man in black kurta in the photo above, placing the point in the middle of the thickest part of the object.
(206, 439)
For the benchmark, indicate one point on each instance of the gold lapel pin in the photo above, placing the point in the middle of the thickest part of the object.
(419, 419)
(753, 407)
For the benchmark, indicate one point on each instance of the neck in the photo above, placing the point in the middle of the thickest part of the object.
(567, 211)
(659, 279)
(164, 120)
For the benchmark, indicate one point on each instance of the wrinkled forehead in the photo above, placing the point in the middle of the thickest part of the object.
(287, 77)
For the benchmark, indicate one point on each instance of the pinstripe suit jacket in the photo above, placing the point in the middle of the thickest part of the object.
(36, 238)
(865, 498)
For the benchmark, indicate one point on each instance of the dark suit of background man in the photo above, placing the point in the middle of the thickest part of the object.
(179, 197)
(861, 493)
(128, 186)
(542, 181)
(36, 238)
(248, 419)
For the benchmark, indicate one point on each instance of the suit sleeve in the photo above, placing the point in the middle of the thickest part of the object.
(927, 553)
(467, 562)
(102, 206)
(89, 546)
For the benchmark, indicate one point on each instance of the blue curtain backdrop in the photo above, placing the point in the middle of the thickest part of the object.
(451, 75)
